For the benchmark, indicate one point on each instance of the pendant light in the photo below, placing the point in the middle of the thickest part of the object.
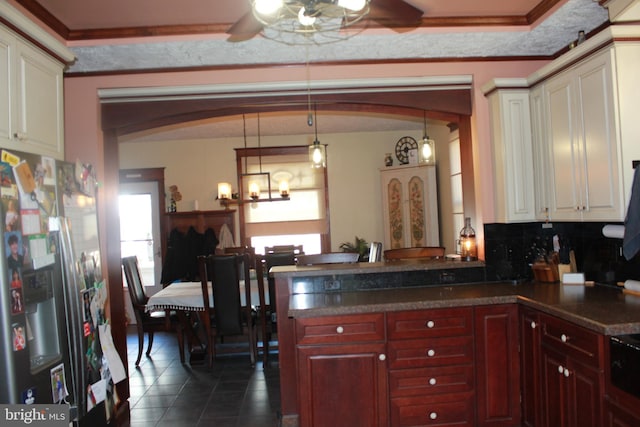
(426, 146)
(226, 196)
(317, 151)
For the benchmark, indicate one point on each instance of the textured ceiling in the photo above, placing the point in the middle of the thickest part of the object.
(458, 29)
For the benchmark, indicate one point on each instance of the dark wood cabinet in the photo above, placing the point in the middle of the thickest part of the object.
(342, 371)
(572, 380)
(431, 355)
(619, 415)
(497, 366)
(530, 367)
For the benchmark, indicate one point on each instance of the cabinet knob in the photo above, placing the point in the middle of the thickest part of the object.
(431, 352)
(560, 369)
(382, 357)
(564, 338)
(430, 324)
(566, 372)
(533, 325)
(433, 415)
(20, 136)
(432, 381)
(339, 329)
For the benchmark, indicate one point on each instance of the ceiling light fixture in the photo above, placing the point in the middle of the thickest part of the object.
(426, 146)
(317, 21)
(317, 151)
(226, 196)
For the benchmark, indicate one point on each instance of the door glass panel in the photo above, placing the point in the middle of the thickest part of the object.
(139, 231)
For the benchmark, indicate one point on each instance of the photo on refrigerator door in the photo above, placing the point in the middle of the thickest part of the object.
(17, 303)
(18, 336)
(16, 250)
(58, 384)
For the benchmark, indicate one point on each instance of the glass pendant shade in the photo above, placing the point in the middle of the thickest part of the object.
(354, 5)
(254, 190)
(283, 188)
(427, 150)
(317, 155)
(267, 7)
(224, 191)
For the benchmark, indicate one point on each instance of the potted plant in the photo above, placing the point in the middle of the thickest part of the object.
(360, 246)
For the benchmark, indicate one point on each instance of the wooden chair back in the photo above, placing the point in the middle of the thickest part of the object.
(328, 258)
(425, 252)
(296, 249)
(227, 316)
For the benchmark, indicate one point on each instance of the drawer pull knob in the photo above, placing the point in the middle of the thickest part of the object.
(564, 338)
(431, 353)
(566, 372)
(339, 329)
(533, 325)
(433, 415)
(560, 369)
(430, 324)
(432, 381)
(382, 357)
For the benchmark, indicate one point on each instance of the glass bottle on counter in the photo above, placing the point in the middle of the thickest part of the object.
(468, 246)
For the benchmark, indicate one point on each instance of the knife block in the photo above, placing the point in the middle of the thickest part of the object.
(545, 272)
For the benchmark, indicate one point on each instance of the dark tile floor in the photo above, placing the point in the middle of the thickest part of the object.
(165, 392)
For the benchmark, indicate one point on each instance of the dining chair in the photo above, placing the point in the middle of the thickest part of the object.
(225, 315)
(256, 263)
(375, 252)
(270, 320)
(157, 321)
(328, 258)
(424, 252)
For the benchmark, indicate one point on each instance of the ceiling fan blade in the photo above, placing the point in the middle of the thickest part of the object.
(395, 13)
(244, 28)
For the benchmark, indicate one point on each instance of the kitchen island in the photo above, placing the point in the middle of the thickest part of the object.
(484, 329)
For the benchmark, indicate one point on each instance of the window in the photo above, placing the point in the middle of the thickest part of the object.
(457, 206)
(301, 220)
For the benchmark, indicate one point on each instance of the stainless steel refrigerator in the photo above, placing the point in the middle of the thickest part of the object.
(50, 286)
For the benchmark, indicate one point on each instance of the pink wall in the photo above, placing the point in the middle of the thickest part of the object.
(83, 136)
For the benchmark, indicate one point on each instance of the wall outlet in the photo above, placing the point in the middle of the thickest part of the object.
(332, 285)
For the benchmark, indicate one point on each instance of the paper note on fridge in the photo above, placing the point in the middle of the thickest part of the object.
(113, 358)
(24, 177)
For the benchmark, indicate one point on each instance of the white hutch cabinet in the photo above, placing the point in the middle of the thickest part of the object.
(410, 206)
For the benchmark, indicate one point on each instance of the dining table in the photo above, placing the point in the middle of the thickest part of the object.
(185, 298)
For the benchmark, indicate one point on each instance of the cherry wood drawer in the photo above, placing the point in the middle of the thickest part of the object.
(430, 381)
(451, 410)
(430, 352)
(446, 322)
(573, 340)
(340, 329)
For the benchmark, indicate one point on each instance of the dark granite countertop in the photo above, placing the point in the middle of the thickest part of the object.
(372, 267)
(602, 309)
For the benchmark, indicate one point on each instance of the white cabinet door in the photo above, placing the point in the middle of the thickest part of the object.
(583, 164)
(410, 206)
(512, 154)
(540, 154)
(40, 105)
(31, 90)
(7, 104)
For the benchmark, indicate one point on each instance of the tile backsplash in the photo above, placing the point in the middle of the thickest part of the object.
(510, 249)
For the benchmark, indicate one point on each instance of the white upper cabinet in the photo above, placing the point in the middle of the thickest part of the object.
(31, 81)
(512, 150)
(576, 160)
(583, 174)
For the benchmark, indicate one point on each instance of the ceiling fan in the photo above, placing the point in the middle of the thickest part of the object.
(316, 16)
